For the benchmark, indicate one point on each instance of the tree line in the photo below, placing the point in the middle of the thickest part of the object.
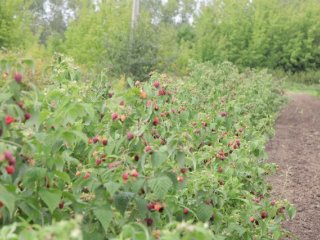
(277, 34)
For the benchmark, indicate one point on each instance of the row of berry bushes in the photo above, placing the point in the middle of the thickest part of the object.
(164, 159)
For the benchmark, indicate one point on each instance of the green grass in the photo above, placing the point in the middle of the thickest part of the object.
(312, 89)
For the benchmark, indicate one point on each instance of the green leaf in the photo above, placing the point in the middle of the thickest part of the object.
(122, 200)
(63, 176)
(158, 158)
(141, 206)
(291, 211)
(7, 199)
(160, 186)
(51, 198)
(112, 187)
(204, 212)
(181, 158)
(104, 216)
(33, 175)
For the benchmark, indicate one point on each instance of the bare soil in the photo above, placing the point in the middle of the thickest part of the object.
(296, 150)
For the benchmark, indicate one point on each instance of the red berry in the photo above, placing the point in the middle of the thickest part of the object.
(156, 84)
(10, 169)
(61, 205)
(95, 139)
(161, 92)
(125, 177)
(104, 142)
(12, 161)
(183, 170)
(150, 206)
(134, 173)
(148, 149)
(281, 210)
(9, 120)
(114, 116)
(148, 221)
(27, 116)
(185, 210)
(130, 136)
(251, 219)
(8, 155)
(18, 77)
(136, 158)
(264, 214)
(110, 95)
(87, 175)
(98, 162)
(155, 121)
(180, 179)
(223, 114)
(273, 202)
(158, 207)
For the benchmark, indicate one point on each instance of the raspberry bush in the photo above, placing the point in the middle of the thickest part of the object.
(163, 159)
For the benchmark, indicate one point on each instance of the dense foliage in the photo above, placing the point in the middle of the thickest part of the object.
(275, 34)
(152, 160)
(265, 33)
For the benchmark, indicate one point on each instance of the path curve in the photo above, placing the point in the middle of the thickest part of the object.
(296, 150)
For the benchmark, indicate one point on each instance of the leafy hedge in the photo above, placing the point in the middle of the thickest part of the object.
(169, 158)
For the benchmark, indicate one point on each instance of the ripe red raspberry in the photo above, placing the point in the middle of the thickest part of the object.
(264, 214)
(130, 136)
(134, 173)
(10, 169)
(185, 210)
(98, 162)
(18, 77)
(156, 84)
(104, 142)
(61, 205)
(148, 221)
(155, 121)
(87, 175)
(125, 177)
(114, 116)
(9, 119)
(27, 116)
(148, 149)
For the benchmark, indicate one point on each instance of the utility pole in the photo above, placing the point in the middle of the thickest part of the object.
(135, 14)
(134, 22)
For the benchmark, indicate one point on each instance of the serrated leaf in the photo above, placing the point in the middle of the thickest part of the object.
(51, 198)
(158, 158)
(160, 186)
(204, 212)
(62, 175)
(104, 216)
(180, 157)
(122, 200)
(141, 206)
(112, 187)
(7, 199)
(34, 174)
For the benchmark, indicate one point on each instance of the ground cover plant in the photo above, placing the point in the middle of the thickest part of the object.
(161, 159)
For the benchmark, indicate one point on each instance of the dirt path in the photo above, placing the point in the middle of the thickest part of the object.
(296, 149)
